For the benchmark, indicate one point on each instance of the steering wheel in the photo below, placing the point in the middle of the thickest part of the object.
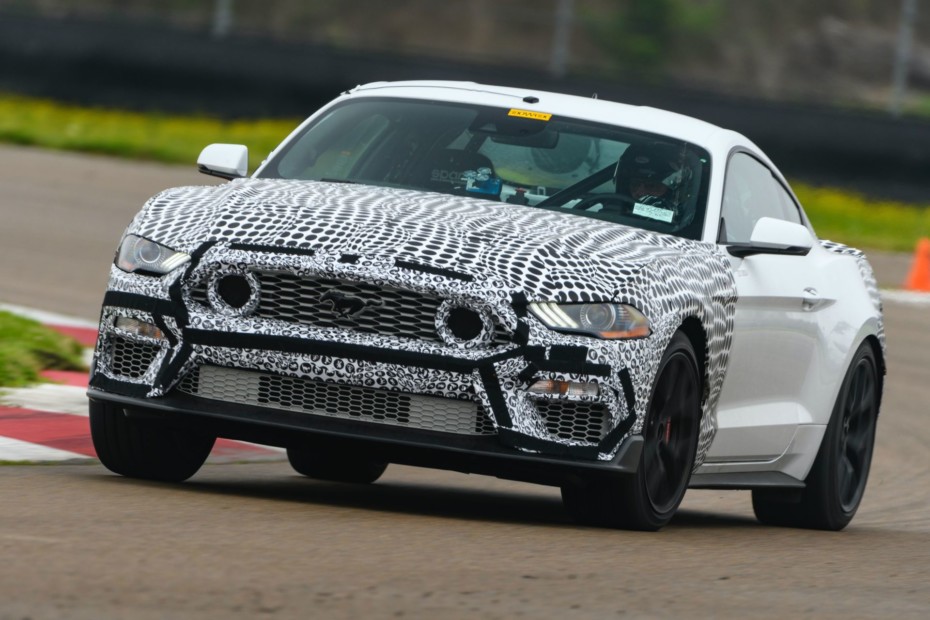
(602, 199)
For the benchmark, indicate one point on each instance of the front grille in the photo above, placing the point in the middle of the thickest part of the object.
(129, 358)
(575, 420)
(368, 308)
(462, 417)
(387, 311)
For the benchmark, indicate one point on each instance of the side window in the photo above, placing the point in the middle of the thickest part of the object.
(789, 208)
(750, 193)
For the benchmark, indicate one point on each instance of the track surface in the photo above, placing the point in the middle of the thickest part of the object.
(247, 540)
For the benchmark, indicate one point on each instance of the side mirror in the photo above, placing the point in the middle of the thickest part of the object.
(227, 161)
(774, 236)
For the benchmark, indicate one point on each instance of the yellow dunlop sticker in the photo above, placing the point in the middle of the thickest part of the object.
(536, 116)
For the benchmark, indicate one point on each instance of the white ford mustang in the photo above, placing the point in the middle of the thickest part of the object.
(617, 300)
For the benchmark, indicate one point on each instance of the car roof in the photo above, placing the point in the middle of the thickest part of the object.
(645, 118)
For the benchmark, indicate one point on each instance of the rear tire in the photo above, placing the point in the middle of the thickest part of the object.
(144, 448)
(837, 479)
(321, 464)
(648, 499)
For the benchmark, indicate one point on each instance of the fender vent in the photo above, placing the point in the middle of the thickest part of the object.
(574, 420)
(131, 359)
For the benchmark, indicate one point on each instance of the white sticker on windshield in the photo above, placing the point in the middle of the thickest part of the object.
(653, 212)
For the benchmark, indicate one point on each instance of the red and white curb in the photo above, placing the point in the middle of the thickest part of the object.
(48, 422)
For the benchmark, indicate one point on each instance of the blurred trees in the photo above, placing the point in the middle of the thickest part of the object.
(642, 38)
(795, 49)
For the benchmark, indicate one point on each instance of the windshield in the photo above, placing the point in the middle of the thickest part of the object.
(507, 155)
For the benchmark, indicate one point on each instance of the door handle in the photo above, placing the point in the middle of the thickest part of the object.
(811, 299)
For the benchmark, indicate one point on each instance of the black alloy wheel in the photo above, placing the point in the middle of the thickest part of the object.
(671, 432)
(648, 499)
(857, 434)
(837, 479)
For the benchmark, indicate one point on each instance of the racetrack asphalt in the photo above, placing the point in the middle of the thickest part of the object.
(254, 539)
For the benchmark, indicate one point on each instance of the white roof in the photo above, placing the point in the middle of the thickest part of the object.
(715, 139)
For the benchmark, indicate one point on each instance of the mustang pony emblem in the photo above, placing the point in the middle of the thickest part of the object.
(346, 306)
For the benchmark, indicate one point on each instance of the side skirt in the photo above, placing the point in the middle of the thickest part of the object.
(745, 480)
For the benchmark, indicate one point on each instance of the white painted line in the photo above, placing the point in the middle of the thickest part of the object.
(49, 318)
(47, 397)
(906, 297)
(13, 450)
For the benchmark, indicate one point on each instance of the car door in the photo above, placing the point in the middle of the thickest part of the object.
(777, 338)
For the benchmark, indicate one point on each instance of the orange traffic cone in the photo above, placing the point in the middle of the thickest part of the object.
(919, 277)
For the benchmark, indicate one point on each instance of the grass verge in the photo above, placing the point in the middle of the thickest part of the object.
(174, 139)
(862, 222)
(28, 347)
(837, 214)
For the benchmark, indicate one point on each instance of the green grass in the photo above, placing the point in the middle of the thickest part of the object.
(174, 139)
(837, 214)
(861, 222)
(28, 347)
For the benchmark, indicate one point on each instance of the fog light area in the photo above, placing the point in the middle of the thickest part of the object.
(564, 388)
(139, 328)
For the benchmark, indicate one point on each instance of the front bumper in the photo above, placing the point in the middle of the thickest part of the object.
(151, 373)
(475, 454)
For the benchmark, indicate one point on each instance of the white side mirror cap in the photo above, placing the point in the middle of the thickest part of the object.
(228, 161)
(769, 231)
(774, 236)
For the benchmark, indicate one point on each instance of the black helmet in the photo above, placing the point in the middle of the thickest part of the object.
(655, 161)
(671, 165)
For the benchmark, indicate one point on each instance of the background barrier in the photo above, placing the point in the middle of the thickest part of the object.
(154, 67)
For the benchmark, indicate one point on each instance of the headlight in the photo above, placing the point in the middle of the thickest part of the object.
(608, 321)
(138, 254)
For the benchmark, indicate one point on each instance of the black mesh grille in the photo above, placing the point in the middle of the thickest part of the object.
(338, 400)
(375, 309)
(334, 400)
(485, 426)
(577, 420)
(357, 306)
(190, 384)
(130, 358)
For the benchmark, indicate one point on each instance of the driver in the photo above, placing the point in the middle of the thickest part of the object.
(651, 173)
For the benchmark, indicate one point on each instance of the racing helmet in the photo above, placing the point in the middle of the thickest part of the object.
(656, 173)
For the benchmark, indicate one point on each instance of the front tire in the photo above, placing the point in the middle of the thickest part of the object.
(836, 482)
(648, 499)
(137, 447)
(322, 464)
